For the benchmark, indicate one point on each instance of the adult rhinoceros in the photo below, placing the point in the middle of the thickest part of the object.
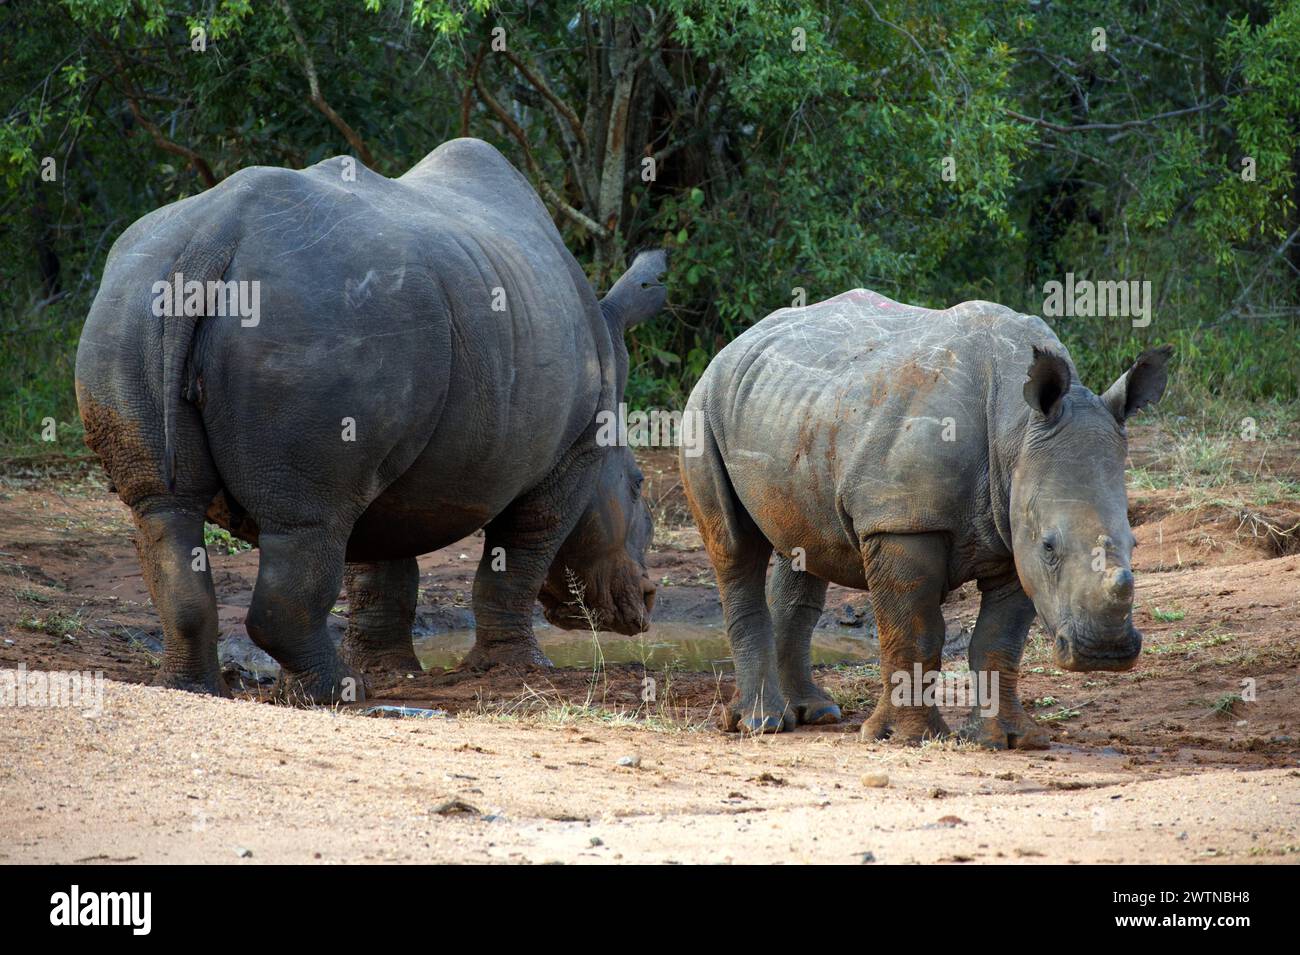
(416, 358)
(905, 451)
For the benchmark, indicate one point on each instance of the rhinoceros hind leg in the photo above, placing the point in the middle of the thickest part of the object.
(381, 610)
(909, 725)
(756, 708)
(176, 570)
(907, 578)
(299, 575)
(740, 554)
(795, 599)
(1010, 731)
(759, 706)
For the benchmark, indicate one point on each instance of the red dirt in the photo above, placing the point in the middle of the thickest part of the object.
(1218, 600)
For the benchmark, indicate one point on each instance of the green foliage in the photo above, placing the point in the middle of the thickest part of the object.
(800, 144)
(218, 540)
(55, 623)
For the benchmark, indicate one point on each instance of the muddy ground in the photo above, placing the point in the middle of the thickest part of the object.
(1192, 756)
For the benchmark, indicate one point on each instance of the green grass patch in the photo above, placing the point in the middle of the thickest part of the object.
(1226, 705)
(218, 540)
(857, 686)
(55, 623)
(1183, 643)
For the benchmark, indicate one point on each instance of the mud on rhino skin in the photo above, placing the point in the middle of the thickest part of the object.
(419, 358)
(905, 451)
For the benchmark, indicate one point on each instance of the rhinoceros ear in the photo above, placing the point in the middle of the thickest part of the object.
(1141, 385)
(639, 293)
(1048, 382)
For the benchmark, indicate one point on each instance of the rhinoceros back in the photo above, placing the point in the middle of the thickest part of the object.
(864, 415)
(437, 310)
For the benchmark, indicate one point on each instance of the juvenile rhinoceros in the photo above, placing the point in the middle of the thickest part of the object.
(905, 451)
(410, 360)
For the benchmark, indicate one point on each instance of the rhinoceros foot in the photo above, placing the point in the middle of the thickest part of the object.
(1013, 730)
(910, 725)
(334, 683)
(813, 706)
(210, 684)
(385, 660)
(506, 653)
(756, 717)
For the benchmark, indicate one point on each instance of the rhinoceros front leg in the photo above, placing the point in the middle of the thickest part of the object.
(503, 601)
(381, 604)
(795, 600)
(519, 546)
(907, 577)
(995, 648)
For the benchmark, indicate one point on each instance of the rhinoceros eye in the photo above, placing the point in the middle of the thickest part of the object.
(1049, 546)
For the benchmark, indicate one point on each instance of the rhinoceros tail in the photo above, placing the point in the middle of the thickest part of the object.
(639, 293)
(203, 260)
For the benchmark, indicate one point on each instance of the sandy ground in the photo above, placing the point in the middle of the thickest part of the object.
(166, 777)
(1192, 756)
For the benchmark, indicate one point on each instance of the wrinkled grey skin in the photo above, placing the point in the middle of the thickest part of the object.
(376, 306)
(905, 451)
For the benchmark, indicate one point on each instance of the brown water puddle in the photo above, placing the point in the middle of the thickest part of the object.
(681, 646)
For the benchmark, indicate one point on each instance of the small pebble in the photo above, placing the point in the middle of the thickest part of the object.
(875, 780)
(244, 853)
(633, 761)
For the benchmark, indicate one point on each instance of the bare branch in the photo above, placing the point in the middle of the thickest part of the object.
(198, 162)
(534, 76)
(609, 205)
(696, 135)
(1279, 252)
(467, 98)
(546, 189)
(313, 85)
(132, 94)
(1112, 127)
(573, 137)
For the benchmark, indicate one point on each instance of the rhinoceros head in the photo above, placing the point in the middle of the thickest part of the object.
(1069, 511)
(598, 578)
